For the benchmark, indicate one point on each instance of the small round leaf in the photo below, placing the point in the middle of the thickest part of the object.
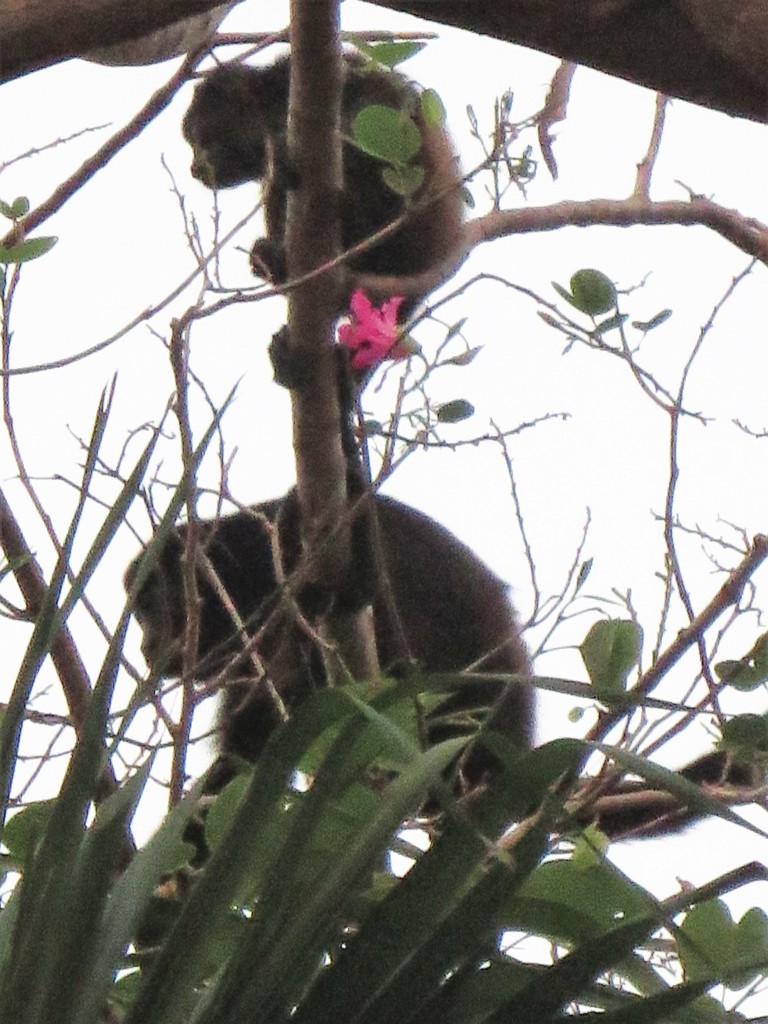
(387, 134)
(456, 411)
(610, 651)
(592, 292)
(404, 181)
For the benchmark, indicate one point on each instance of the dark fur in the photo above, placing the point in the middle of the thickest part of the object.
(237, 124)
(453, 611)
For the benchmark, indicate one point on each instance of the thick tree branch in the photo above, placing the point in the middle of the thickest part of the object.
(707, 51)
(312, 239)
(36, 33)
(746, 233)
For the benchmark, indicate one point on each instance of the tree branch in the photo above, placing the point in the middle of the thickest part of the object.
(746, 233)
(727, 595)
(705, 51)
(36, 33)
(313, 238)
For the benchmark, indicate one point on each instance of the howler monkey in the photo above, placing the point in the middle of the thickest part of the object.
(237, 127)
(451, 613)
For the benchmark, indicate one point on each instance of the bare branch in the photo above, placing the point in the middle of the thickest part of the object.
(313, 238)
(646, 165)
(555, 109)
(746, 233)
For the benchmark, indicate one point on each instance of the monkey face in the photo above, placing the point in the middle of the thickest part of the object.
(223, 161)
(159, 610)
(225, 129)
(238, 552)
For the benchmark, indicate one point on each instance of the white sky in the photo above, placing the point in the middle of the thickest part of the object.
(121, 249)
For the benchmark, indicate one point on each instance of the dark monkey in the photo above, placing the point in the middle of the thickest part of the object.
(237, 127)
(451, 612)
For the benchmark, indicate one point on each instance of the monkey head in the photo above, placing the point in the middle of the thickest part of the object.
(227, 129)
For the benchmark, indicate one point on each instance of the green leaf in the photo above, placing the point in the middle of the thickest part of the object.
(454, 329)
(750, 945)
(655, 321)
(403, 181)
(748, 672)
(473, 995)
(464, 358)
(373, 428)
(455, 411)
(280, 959)
(387, 134)
(584, 570)
(27, 250)
(132, 893)
(568, 901)
(24, 830)
(58, 875)
(706, 940)
(390, 54)
(682, 1004)
(610, 324)
(592, 292)
(225, 806)
(739, 675)
(563, 293)
(589, 848)
(124, 990)
(546, 997)
(78, 974)
(241, 860)
(19, 207)
(432, 108)
(746, 734)
(688, 793)
(610, 651)
(445, 912)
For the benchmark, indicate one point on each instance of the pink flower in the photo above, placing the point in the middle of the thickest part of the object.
(373, 334)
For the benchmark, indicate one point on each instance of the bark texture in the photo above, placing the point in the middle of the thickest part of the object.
(711, 52)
